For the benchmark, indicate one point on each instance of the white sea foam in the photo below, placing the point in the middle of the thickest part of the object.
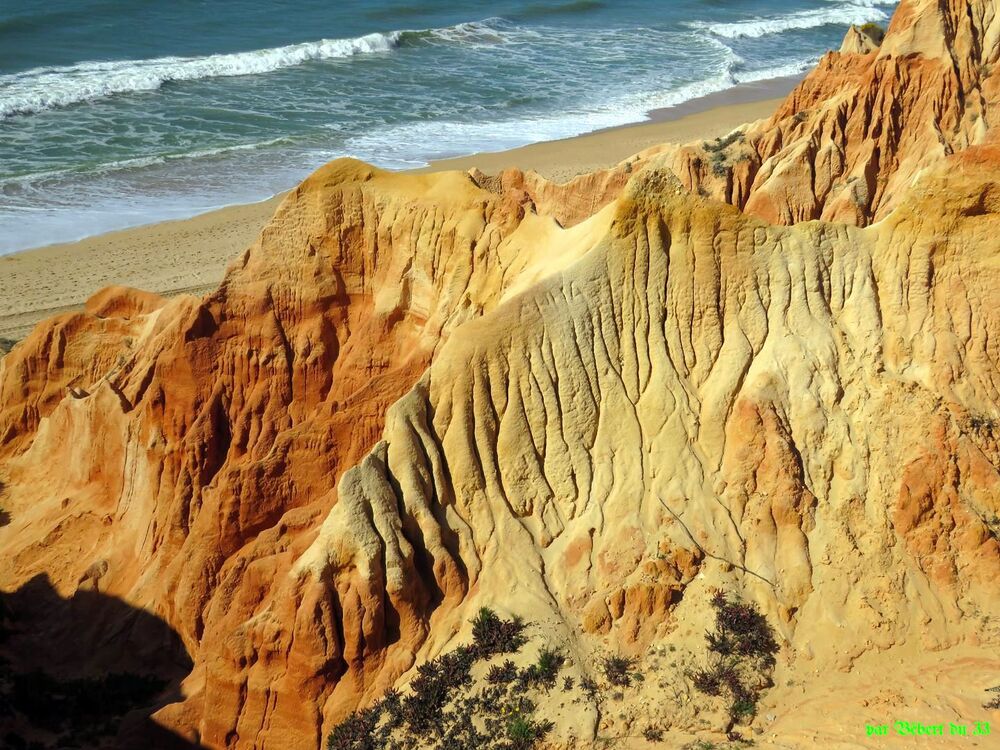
(857, 12)
(40, 89)
(46, 88)
(413, 144)
(778, 71)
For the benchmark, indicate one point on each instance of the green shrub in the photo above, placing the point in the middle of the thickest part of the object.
(742, 651)
(724, 142)
(502, 674)
(492, 635)
(544, 671)
(444, 710)
(524, 733)
(874, 32)
(719, 164)
(618, 670)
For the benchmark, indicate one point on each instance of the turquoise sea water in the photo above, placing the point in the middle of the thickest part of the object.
(114, 114)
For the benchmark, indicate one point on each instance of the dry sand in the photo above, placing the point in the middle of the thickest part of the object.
(191, 255)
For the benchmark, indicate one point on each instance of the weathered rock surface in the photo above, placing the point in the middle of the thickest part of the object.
(587, 404)
(849, 141)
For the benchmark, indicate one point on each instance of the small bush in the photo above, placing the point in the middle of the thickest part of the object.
(589, 687)
(502, 674)
(722, 143)
(719, 165)
(357, 732)
(432, 689)
(994, 703)
(652, 734)
(874, 32)
(6, 345)
(549, 663)
(982, 425)
(618, 670)
(543, 673)
(742, 651)
(492, 635)
(444, 710)
(524, 733)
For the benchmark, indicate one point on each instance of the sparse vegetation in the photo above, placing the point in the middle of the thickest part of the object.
(994, 703)
(543, 673)
(524, 732)
(492, 635)
(652, 734)
(742, 650)
(618, 670)
(722, 143)
(6, 345)
(442, 709)
(993, 525)
(718, 159)
(874, 32)
(589, 687)
(502, 674)
(982, 425)
(719, 164)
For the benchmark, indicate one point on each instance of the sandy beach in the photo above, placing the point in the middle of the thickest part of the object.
(191, 255)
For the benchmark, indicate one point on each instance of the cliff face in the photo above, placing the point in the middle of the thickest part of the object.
(849, 141)
(587, 404)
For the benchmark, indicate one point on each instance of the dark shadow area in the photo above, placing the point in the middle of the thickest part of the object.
(85, 672)
(4, 515)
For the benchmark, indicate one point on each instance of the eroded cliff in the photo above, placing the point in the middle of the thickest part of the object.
(588, 404)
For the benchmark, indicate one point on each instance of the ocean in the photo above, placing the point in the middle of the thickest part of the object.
(114, 114)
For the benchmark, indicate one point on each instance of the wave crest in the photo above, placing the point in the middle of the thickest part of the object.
(48, 88)
(857, 12)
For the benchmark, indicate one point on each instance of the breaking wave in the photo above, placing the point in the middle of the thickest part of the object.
(861, 11)
(41, 89)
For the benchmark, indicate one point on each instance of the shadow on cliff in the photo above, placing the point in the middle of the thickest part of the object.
(86, 671)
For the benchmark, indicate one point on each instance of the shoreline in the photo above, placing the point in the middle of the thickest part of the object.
(190, 255)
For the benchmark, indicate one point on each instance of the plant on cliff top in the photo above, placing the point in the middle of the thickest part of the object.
(874, 32)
